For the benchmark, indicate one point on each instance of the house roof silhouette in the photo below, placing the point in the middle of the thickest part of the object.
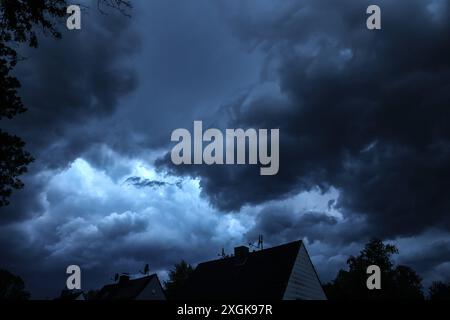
(68, 295)
(263, 274)
(126, 288)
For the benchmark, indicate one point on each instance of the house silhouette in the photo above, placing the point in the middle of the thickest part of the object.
(144, 288)
(283, 272)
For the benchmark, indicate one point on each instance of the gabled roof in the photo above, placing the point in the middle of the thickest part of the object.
(124, 290)
(262, 275)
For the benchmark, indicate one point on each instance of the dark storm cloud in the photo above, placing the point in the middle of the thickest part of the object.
(366, 112)
(435, 252)
(68, 85)
(357, 110)
(284, 225)
(74, 90)
(26, 202)
(142, 183)
(139, 182)
(107, 227)
(77, 89)
(190, 64)
(281, 224)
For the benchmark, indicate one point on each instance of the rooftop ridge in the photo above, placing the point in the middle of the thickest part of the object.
(263, 251)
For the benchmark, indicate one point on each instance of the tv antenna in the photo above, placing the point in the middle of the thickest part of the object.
(146, 270)
(259, 245)
(223, 255)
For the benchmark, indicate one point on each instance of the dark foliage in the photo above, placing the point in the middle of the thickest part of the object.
(439, 291)
(12, 287)
(177, 278)
(19, 20)
(13, 161)
(400, 282)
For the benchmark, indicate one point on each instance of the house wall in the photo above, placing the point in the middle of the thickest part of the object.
(303, 282)
(153, 291)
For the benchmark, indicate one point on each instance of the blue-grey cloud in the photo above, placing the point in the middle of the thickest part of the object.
(364, 137)
(354, 112)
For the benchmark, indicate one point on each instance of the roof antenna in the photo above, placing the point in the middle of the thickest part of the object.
(260, 242)
(223, 255)
(146, 270)
(260, 245)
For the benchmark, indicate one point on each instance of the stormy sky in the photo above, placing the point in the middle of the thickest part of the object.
(364, 137)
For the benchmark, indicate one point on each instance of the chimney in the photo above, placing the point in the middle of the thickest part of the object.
(240, 254)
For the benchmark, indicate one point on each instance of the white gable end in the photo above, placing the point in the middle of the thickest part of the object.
(303, 282)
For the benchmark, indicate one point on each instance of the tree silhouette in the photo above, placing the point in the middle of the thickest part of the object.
(439, 291)
(12, 287)
(13, 162)
(407, 284)
(177, 278)
(19, 22)
(400, 282)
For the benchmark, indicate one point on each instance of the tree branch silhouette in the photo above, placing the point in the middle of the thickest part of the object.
(20, 21)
